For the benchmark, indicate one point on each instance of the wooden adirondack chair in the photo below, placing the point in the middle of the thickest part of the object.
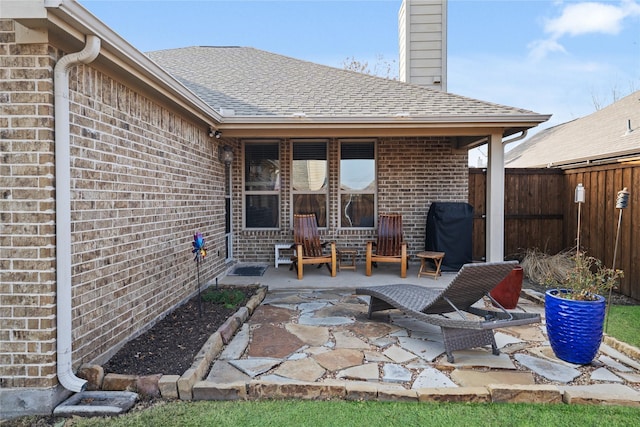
(390, 246)
(309, 249)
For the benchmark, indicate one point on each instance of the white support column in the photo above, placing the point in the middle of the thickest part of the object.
(495, 200)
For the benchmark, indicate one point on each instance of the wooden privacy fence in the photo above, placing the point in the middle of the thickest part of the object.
(540, 212)
(534, 210)
(599, 218)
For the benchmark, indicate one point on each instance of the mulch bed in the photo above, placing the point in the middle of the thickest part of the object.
(171, 345)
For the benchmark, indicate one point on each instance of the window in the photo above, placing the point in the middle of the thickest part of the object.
(262, 185)
(309, 179)
(357, 184)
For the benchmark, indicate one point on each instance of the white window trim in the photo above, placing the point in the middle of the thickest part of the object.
(246, 193)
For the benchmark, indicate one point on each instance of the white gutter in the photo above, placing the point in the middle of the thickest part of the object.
(63, 210)
(523, 135)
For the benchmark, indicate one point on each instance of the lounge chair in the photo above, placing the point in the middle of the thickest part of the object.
(462, 325)
(309, 249)
(390, 246)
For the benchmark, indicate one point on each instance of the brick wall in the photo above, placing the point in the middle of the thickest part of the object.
(27, 215)
(144, 179)
(412, 173)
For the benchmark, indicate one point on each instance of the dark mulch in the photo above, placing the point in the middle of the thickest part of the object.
(171, 345)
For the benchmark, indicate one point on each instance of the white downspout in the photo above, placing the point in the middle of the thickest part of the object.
(63, 210)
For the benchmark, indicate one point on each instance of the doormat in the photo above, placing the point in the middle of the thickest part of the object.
(248, 270)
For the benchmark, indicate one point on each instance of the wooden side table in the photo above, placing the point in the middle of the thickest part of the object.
(350, 262)
(436, 258)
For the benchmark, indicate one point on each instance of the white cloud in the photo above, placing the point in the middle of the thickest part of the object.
(580, 19)
(585, 18)
(540, 48)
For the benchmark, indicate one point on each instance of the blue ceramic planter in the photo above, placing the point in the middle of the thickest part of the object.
(574, 328)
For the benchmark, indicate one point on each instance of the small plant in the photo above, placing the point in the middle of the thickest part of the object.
(229, 298)
(586, 278)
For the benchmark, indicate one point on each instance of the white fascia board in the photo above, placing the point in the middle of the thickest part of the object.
(459, 121)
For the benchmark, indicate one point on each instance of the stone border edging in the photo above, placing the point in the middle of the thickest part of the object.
(215, 344)
(491, 393)
(175, 386)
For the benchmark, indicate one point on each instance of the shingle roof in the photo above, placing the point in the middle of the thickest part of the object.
(256, 83)
(601, 135)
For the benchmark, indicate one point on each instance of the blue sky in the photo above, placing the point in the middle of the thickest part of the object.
(565, 58)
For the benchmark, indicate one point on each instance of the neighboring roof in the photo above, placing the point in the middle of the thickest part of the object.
(248, 83)
(609, 134)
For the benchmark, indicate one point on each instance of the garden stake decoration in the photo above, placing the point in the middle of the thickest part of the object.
(621, 203)
(579, 199)
(201, 253)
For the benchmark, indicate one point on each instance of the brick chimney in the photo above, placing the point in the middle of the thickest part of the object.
(422, 36)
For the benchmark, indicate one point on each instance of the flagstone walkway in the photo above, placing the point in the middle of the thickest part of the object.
(320, 344)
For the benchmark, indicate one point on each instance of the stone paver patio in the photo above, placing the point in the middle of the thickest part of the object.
(317, 344)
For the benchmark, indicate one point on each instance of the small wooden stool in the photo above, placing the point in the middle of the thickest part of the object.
(436, 257)
(350, 263)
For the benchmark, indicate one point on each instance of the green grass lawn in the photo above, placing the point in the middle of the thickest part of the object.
(369, 414)
(624, 323)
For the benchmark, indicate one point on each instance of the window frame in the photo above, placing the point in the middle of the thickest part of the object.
(275, 192)
(325, 192)
(373, 192)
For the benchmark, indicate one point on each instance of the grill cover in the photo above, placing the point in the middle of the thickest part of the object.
(450, 230)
